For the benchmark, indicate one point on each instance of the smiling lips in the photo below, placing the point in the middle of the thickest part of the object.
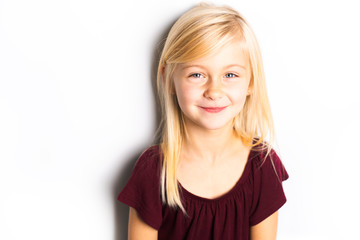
(213, 109)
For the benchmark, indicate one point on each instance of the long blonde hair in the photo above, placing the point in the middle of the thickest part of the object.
(200, 31)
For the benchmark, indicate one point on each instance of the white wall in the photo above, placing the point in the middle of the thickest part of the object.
(77, 108)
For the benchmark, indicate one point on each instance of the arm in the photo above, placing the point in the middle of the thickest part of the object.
(265, 230)
(138, 229)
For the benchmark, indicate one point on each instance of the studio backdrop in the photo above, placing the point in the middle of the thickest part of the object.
(78, 106)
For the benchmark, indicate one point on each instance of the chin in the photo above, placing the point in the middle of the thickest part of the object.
(214, 126)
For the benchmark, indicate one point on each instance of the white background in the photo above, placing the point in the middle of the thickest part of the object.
(77, 108)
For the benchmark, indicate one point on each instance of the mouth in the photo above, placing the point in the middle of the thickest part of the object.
(213, 109)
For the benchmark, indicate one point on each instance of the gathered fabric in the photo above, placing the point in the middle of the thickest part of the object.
(257, 194)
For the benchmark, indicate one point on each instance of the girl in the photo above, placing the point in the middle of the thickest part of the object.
(213, 176)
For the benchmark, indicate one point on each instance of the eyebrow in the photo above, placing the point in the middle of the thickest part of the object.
(200, 66)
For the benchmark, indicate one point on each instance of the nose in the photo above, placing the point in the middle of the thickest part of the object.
(214, 90)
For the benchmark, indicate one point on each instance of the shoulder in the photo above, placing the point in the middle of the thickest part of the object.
(266, 160)
(268, 195)
(149, 160)
(142, 191)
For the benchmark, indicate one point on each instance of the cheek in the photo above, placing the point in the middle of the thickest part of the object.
(186, 95)
(238, 94)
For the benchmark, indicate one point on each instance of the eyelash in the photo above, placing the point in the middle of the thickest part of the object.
(233, 75)
(193, 75)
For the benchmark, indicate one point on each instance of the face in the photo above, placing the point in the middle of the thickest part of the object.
(212, 90)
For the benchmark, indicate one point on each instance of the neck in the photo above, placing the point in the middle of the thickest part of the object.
(210, 146)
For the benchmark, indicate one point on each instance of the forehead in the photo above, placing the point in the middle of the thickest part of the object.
(231, 54)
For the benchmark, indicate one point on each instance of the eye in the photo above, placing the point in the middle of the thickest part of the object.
(196, 75)
(230, 75)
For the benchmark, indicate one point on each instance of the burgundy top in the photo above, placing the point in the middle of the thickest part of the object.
(257, 194)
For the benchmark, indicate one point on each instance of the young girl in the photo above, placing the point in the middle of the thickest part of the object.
(213, 176)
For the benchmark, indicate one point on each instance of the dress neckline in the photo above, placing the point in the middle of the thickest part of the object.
(239, 182)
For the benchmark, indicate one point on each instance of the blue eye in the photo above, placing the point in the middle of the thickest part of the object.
(230, 75)
(196, 75)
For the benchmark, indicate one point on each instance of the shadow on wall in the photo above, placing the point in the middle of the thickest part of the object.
(122, 210)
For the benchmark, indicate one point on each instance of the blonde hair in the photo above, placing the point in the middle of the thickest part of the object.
(197, 33)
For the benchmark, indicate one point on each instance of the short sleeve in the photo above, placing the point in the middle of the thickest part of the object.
(142, 191)
(268, 193)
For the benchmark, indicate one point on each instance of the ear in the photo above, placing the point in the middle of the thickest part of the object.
(249, 91)
(162, 71)
(173, 92)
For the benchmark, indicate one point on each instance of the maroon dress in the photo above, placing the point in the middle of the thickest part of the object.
(257, 194)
